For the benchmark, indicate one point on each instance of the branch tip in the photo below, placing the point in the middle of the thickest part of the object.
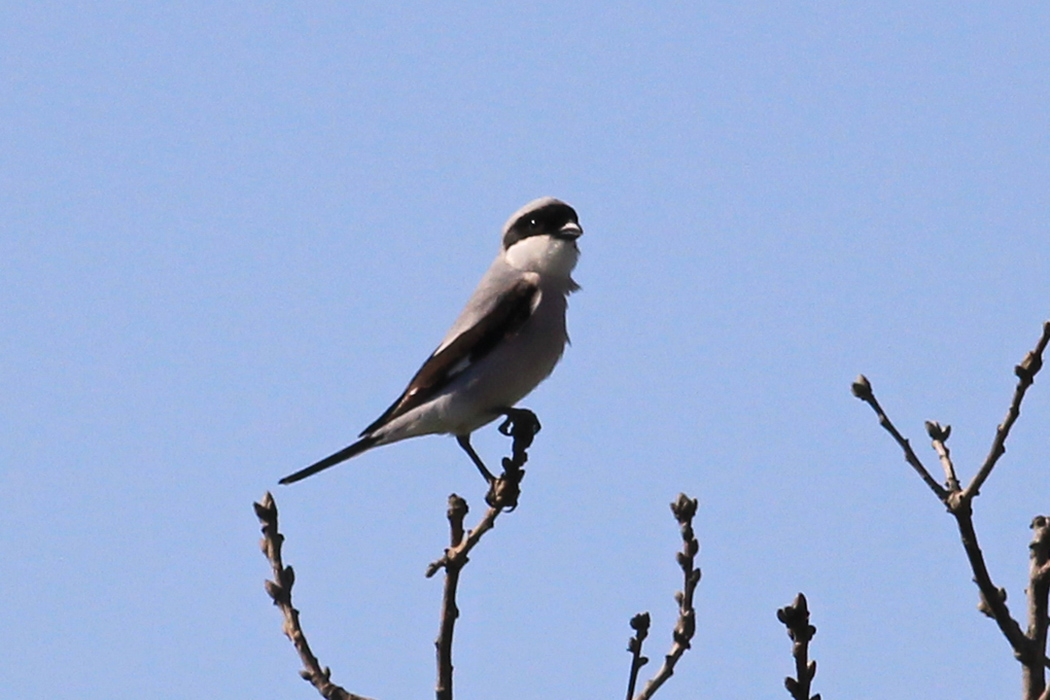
(796, 618)
(457, 506)
(938, 432)
(861, 388)
(684, 509)
(280, 591)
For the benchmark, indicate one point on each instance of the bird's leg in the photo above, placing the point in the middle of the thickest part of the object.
(464, 442)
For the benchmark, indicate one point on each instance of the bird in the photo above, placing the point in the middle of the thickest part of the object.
(507, 340)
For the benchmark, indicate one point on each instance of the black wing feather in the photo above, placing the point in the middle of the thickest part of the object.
(506, 318)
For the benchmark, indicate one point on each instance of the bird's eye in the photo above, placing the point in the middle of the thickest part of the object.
(534, 224)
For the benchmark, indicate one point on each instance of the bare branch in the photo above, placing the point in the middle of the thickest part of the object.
(939, 436)
(862, 390)
(522, 425)
(457, 510)
(1026, 371)
(684, 508)
(1030, 648)
(993, 598)
(280, 590)
(796, 618)
(640, 625)
(503, 493)
(1038, 589)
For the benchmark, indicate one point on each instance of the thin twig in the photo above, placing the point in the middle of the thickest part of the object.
(1038, 591)
(457, 510)
(862, 390)
(1026, 371)
(522, 426)
(280, 590)
(796, 618)
(684, 508)
(640, 625)
(939, 437)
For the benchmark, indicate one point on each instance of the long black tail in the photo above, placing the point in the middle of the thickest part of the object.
(332, 460)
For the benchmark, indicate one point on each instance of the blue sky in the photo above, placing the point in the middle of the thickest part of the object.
(229, 233)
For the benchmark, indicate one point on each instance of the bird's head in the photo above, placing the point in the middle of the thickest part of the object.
(541, 237)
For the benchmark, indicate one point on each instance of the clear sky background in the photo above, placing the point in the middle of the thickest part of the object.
(230, 232)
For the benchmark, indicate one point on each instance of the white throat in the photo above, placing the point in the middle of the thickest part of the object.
(544, 255)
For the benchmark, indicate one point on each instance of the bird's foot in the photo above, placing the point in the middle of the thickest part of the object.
(522, 425)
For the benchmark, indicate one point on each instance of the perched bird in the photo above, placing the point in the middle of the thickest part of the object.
(504, 343)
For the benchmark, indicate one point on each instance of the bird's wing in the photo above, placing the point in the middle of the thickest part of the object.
(504, 318)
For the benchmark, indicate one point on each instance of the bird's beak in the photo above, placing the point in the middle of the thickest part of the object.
(570, 231)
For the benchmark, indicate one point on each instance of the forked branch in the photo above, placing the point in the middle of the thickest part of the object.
(684, 509)
(1029, 647)
(640, 625)
(522, 426)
